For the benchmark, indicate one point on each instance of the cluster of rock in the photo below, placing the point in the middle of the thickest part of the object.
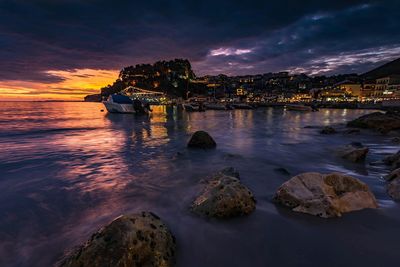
(135, 240)
(325, 195)
(383, 122)
(224, 196)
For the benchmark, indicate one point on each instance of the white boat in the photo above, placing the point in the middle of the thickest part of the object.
(123, 104)
(215, 106)
(298, 107)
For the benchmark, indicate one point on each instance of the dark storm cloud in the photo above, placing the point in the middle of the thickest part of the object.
(217, 36)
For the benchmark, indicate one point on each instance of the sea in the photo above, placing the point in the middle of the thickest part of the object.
(69, 168)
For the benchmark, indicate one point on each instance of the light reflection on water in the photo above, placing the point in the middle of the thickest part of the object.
(67, 168)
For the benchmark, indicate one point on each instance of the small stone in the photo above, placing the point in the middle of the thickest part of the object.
(201, 139)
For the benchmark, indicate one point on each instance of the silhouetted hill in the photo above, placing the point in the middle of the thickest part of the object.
(171, 77)
(392, 67)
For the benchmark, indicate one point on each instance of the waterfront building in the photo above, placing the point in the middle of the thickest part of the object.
(387, 87)
(350, 88)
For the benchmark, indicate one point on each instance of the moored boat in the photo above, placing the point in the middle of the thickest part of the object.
(117, 103)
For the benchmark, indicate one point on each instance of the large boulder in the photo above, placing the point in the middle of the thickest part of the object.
(135, 240)
(325, 195)
(224, 196)
(354, 152)
(201, 139)
(383, 122)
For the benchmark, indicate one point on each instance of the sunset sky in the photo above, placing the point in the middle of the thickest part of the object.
(66, 49)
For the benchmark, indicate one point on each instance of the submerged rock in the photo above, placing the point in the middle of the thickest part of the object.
(224, 196)
(201, 139)
(354, 152)
(135, 240)
(383, 122)
(328, 130)
(325, 196)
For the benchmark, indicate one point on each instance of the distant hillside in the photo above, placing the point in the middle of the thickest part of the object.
(392, 67)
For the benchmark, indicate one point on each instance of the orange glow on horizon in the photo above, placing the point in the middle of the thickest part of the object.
(77, 84)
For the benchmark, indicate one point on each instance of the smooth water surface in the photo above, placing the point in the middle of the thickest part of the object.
(66, 169)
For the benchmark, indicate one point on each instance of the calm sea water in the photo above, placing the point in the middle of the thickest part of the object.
(66, 169)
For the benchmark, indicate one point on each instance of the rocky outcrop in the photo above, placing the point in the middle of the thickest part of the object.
(328, 130)
(201, 139)
(224, 196)
(383, 122)
(135, 240)
(354, 152)
(325, 196)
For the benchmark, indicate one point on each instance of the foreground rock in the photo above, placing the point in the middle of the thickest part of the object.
(201, 139)
(224, 196)
(325, 196)
(354, 152)
(383, 122)
(328, 130)
(136, 240)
